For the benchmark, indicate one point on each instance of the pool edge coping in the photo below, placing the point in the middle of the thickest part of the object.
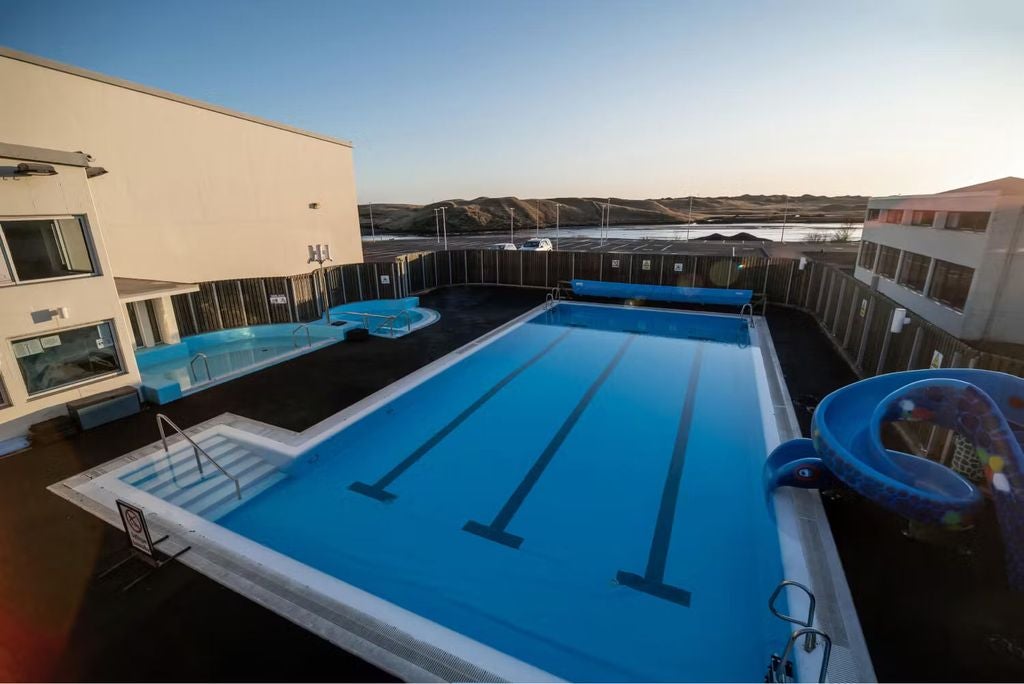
(796, 506)
(267, 588)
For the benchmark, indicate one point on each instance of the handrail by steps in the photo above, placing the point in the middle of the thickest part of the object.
(196, 449)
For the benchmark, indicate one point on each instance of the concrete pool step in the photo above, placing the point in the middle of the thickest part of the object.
(176, 479)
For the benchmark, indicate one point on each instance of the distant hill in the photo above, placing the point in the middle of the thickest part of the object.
(487, 214)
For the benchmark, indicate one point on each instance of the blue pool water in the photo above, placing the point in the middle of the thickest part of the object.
(587, 449)
(168, 371)
(409, 316)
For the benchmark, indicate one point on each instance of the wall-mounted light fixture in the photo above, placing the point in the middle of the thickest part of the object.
(29, 169)
(314, 205)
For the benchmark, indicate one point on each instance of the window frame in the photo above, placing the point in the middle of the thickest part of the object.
(896, 266)
(874, 257)
(915, 212)
(885, 218)
(119, 353)
(5, 396)
(958, 229)
(83, 222)
(877, 214)
(907, 256)
(931, 285)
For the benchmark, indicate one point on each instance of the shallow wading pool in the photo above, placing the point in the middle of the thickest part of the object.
(577, 497)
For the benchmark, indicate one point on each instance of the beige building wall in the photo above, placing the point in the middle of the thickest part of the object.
(90, 299)
(194, 192)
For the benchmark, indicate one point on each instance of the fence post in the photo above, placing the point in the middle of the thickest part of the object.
(915, 348)
(818, 311)
(809, 278)
(849, 318)
(789, 281)
(868, 317)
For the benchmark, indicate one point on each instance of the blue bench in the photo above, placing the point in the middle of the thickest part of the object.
(662, 293)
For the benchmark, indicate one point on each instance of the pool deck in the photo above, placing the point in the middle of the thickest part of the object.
(63, 624)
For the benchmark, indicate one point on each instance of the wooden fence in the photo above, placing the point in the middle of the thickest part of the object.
(857, 319)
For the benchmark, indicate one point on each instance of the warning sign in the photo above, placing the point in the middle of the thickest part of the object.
(135, 527)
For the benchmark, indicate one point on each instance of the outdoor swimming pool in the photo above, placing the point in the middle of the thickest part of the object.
(387, 317)
(172, 371)
(578, 497)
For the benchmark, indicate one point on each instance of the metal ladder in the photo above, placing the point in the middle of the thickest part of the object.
(750, 316)
(780, 668)
(309, 339)
(206, 362)
(553, 297)
(196, 449)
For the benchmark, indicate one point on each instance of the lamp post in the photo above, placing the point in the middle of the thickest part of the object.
(373, 234)
(437, 226)
(785, 211)
(444, 222)
(557, 205)
(512, 225)
(536, 231)
(320, 254)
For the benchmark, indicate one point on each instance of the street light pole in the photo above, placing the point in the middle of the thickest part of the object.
(444, 222)
(437, 226)
(785, 212)
(512, 225)
(557, 205)
(320, 254)
(536, 232)
(373, 234)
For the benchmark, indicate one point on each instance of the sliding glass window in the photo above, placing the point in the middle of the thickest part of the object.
(950, 284)
(914, 271)
(888, 259)
(969, 221)
(41, 249)
(65, 357)
(868, 250)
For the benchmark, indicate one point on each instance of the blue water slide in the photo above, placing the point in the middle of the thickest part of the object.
(984, 407)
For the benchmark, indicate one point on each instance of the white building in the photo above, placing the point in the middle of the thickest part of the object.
(956, 258)
(115, 196)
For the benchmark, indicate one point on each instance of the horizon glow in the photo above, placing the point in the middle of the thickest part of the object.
(635, 100)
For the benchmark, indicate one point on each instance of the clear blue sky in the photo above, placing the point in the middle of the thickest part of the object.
(631, 99)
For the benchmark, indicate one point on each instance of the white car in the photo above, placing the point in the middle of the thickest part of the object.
(503, 247)
(537, 245)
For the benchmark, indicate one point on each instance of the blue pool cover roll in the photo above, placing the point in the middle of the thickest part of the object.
(662, 293)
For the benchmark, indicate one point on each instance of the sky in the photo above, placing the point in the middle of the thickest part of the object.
(564, 98)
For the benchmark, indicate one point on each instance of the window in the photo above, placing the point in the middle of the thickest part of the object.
(914, 271)
(4, 400)
(888, 258)
(873, 214)
(65, 357)
(950, 284)
(43, 248)
(868, 250)
(972, 221)
(922, 218)
(892, 216)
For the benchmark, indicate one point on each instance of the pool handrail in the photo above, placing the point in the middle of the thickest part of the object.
(809, 643)
(206, 362)
(196, 449)
(309, 339)
(807, 632)
(750, 316)
(389, 319)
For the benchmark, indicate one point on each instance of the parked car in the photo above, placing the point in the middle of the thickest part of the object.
(537, 245)
(503, 247)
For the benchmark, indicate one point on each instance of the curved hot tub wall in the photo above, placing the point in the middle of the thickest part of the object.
(163, 390)
(420, 317)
